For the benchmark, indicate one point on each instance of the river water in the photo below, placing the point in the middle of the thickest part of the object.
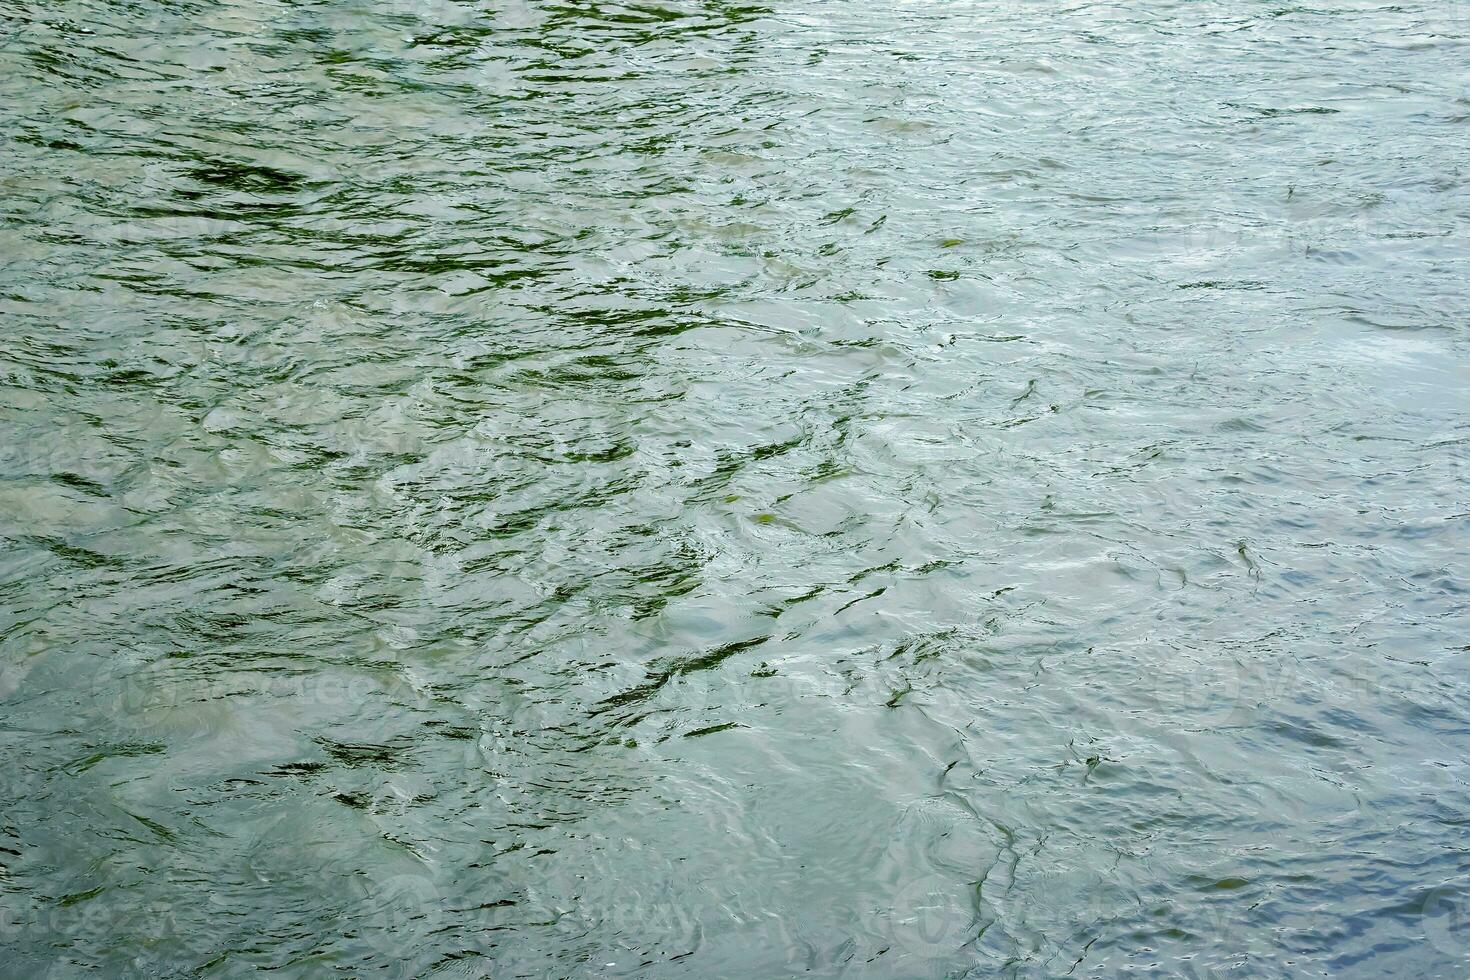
(712, 489)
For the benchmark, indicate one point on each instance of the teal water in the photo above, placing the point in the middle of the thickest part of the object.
(701, 490)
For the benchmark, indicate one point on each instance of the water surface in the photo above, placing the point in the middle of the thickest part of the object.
(699, 489)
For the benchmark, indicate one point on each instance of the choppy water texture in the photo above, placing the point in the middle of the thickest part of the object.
(697, 489)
